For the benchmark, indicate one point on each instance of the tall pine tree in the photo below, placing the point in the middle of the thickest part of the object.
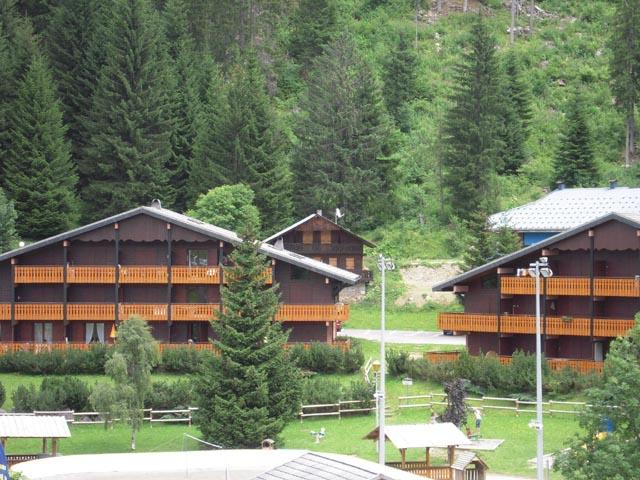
(129, 124)
(251, 390)
(346, 142)
(314, 25)
(625, 68)
(471, 128)
(574, 163)
(38, 173)
(8, 216)
(400, 81)
(516, 117)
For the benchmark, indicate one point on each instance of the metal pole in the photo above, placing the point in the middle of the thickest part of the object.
(540, 439)
(381, 437)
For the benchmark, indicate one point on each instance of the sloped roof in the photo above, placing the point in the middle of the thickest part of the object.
(423, 435)
(632, 220)
(33, 426)
(279, 234)
(199, 226)
(567, 208)
(464, 458)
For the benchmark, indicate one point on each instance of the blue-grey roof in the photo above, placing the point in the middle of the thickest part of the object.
(199, 226)
(567, 208)
(632, 220)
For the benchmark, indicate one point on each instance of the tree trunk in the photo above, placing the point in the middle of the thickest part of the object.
(532, 11)
(465, 5)
(512, 32)
(439, 6)
(133, 438)
(630, 141)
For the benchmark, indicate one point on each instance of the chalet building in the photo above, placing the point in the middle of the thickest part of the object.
(591, 298)
(166, 267)
(324, 240)
(566, 208)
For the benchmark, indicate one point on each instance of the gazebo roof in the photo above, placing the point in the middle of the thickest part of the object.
(466, 457)
(32, 426)
(424, 435)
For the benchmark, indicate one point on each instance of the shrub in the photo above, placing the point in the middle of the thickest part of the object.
(25, 399)
(353, 358)
(170, 395)
(398, 362)
(522, 373)
(361, 390)
(321, 390)
(56, 362)
(3, 394)
(182, 360)
(324, 358)
(66, 393)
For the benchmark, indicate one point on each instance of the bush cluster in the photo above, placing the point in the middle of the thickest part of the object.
(170, 395)
(55, 393)
(56, 362)
(322, 390)
(488, 374)
(183, 360)
(324, 358)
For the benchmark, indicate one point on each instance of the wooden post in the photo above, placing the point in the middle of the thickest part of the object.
(451, 453)
(220, 257)
(65, 285)
(12, 288)
(169, 281)
(591, 288)
(44, 445)
(54, 447)
(427, 456)
(116, 263)
(499, 315)
(403, 452)
(544, 315)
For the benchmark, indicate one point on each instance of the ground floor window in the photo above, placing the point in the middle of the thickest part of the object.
(43, 332)
(194, 331)
(94, 332)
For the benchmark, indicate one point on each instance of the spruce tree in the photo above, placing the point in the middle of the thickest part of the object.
(346, 140)
(574, 163)
(516, 117)
(129, 125)
(75, 48)
(400, 81)
(8, 216)
(248, 393)
(488, 242)
(38, 173)
(625, 67)
(314, 26)
(471, 129)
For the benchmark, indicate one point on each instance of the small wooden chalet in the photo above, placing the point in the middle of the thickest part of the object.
(592, 297)
(74, 288)
(324, 240)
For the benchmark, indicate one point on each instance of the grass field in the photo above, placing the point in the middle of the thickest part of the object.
(368, 317)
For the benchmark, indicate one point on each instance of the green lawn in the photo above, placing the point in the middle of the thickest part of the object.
(368, 317)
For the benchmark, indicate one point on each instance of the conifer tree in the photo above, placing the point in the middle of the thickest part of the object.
(248, 145)
(8, 216)
(625, 67)
(251, 390)
(346, 142)
(488, 242)
(75, 48)
(574, 163)
(38, 173)
(516, 117)
(471, 129)
(129, 128)
(314, 26)
(400, 81)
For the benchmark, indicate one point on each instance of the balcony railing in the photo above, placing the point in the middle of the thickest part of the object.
(91, 274)
(195, 275)
(137, 274)
(191, 312)
(327, 248)
(40, 274)
(526, 324)
(576, 286)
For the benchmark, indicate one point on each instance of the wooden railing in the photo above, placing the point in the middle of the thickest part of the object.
(577, 286)
(472, 322)
(195, 275)
(439, 357)
(557, 364)
(313, 313)
(424, 470)
(5, 311)
(319, 248)
(91, 311)
(267, 275)
(152, 312)
(194, 312)
(91, 274)
(39, 311)
(137, 274)
(44, 274)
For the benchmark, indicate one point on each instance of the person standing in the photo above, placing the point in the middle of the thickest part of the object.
(478, 415)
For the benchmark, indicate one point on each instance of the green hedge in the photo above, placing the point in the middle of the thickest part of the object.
(325, 358)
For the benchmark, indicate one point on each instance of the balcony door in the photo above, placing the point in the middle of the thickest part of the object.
(43, 332)
(94, 332)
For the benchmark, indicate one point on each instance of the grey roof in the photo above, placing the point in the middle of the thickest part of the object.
(632, 220)
(423, 435)
(464, 458)
(564, 209)
(313, 466)
(199, 226)
(32, 426)
(279, 234)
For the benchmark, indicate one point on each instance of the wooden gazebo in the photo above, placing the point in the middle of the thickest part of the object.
(47, 428)
(434, 435)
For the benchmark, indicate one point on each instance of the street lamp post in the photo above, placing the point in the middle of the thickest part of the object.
(536, 269)
(384, 264)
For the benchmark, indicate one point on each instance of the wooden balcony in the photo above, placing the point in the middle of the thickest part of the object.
(558, 364)
(267, 274)
(91, 274)
(153, 312)
(40, 274)
(324, 249)
(195, 275)
(526, 324)
(575, 286)
(140, 274)
(313, 313)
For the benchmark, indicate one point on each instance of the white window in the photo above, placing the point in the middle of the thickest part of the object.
(198, 258)
(43, 332)
(94, 332)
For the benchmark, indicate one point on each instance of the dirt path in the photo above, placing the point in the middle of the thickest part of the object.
(420, 278)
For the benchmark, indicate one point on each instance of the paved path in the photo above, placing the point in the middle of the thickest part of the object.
(498, 476)
(405, 336)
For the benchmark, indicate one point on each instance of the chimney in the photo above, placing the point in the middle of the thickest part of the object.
(155, 203)
(319, 212)
(560, 185)
(613, 184)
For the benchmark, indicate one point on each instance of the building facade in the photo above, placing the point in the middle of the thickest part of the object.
(324, 240)
(166, 267)
(591, 298)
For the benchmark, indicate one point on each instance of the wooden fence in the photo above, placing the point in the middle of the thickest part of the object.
(184, 415)
(336, 409)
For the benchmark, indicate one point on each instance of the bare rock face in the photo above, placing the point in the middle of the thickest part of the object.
(419, 279)
(353, 294)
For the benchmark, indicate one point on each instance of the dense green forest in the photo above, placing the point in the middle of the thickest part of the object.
(416, 118)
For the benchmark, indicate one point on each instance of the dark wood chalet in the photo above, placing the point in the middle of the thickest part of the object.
(74, 287)
(324, 240)
(591, 298)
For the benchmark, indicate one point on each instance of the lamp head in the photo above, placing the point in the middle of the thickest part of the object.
(375, 366)
(546, 272)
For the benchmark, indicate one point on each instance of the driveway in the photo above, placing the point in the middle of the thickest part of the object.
(405, 336)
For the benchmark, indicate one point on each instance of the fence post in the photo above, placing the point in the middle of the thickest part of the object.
(517, 407)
